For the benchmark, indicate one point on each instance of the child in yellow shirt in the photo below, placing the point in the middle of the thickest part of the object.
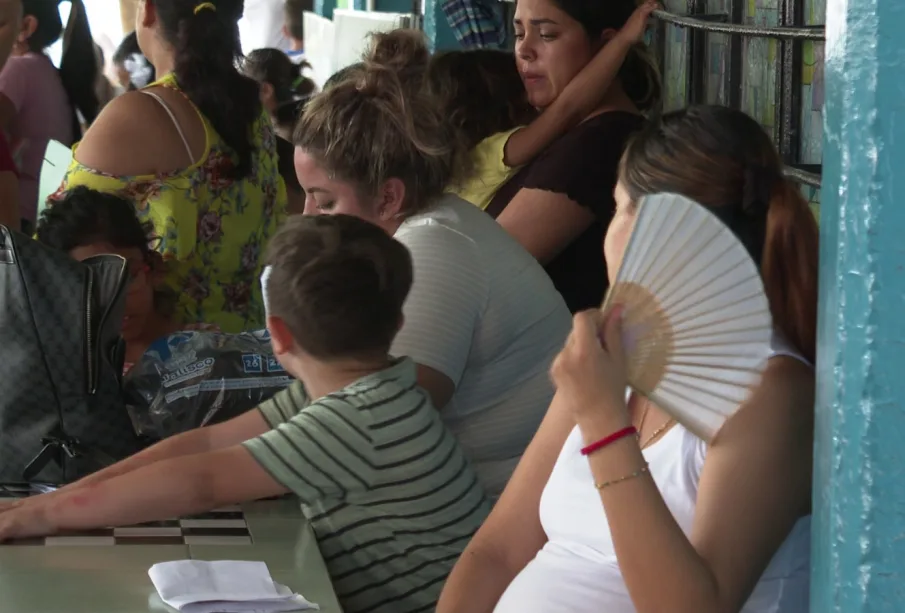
(482, 94)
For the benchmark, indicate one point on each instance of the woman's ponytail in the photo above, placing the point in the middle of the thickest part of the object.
(789, 266)
(301, 86)
(78, 68)
(206, 44)
(723, 159)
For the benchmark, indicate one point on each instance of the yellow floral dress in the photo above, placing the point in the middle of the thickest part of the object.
(212, 230)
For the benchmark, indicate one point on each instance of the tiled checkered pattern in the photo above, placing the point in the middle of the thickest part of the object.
(222, 527)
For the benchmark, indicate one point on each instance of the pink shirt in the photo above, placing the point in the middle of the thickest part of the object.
(33, 85)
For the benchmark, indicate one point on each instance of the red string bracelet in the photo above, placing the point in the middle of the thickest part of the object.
(609, 440)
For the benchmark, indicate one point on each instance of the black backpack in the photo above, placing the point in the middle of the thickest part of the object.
(62, 413)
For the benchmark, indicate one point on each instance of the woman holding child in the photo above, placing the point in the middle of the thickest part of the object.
(558, 206)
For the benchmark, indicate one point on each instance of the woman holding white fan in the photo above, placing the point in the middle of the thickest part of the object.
(635, 513)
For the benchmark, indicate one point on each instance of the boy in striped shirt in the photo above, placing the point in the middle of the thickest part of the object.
(385, 486)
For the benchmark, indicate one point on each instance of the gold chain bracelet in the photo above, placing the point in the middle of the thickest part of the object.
(644, 469)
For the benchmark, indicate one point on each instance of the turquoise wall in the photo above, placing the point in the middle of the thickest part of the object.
(858, 546)
(436, 27)
(324, 8)
(394, 6)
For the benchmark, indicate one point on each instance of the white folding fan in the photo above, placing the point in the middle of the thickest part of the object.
(696, 321)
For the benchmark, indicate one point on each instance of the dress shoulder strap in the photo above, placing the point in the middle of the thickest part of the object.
(169, 111)
(779, 346)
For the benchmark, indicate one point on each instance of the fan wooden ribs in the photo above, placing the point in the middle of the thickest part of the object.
(696, 322)
(649, 342)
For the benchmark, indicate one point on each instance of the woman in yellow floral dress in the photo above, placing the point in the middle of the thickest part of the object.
(196, 153)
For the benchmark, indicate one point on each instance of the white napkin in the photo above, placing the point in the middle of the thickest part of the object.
(195, 586)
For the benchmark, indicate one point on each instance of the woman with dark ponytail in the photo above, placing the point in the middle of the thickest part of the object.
(38, 102)
(284, 87)
(196, 153)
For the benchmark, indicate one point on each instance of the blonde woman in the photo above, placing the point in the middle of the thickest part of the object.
(482, 321)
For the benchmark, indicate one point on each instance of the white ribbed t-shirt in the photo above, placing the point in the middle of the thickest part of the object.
(484, 313)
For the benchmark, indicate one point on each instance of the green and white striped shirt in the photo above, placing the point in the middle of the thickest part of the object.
(387, 490)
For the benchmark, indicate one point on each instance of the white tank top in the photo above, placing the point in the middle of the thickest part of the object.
(576, 571)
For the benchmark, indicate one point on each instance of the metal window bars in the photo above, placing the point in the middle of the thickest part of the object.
(714, 23)
(789, 32)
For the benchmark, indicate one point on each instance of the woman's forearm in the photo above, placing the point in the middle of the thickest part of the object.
(651, 547)
(587, 89)
(475, 584)
(580, 97)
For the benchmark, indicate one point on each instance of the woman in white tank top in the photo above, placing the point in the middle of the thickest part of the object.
(663, 522)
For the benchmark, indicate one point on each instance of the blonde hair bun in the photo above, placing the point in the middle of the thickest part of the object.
(402, 50)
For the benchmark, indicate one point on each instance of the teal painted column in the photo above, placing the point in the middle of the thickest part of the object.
(393, 6)
(324, 8)
(437, 29)
(858, 563)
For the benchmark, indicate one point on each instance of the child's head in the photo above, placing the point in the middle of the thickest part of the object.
(335, 290)
(284, 89)
(85, 223)
(294, 18)
(480, 91)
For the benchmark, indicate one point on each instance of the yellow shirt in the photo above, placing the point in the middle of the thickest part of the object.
(489, 172)
(212, 230)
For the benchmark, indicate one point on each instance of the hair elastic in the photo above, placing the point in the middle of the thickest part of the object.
(205, 6)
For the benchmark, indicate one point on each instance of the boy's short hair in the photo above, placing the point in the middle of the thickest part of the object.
(294, 15)
(338, 283)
